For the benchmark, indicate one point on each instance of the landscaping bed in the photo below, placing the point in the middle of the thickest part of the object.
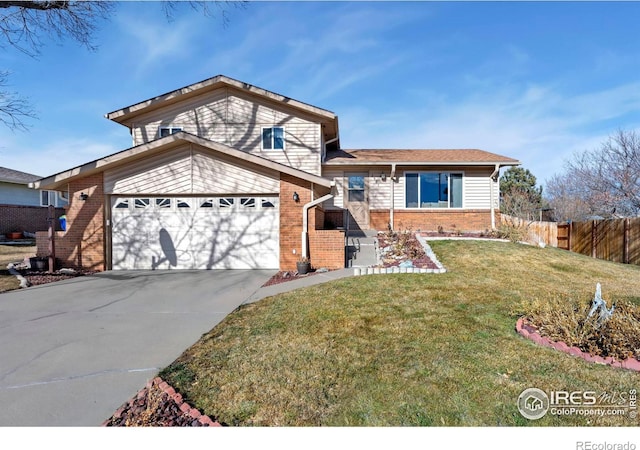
(284, 276)
(402, 249)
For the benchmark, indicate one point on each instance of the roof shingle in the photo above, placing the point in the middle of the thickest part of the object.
(414, 156)
(17, 177)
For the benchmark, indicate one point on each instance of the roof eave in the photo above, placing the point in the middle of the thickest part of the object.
(55, 181)
(122, 115)
(423, 163)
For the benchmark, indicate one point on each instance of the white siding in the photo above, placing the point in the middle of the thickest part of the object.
(379, 191)
(188, 171)
(476, 185)
(338, 191)
(236, 119)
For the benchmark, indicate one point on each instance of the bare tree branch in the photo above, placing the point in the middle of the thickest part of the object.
(13, 108)
(603, 182)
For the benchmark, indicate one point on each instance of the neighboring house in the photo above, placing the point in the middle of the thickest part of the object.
(223, 174)
(21, 208)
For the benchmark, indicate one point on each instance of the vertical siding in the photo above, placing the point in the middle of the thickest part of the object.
(236, 119)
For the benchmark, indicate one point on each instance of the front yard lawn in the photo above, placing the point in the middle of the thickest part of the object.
(406, 349)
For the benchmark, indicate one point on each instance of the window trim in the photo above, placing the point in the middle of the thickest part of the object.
(436, 208)
(53, 203)
(284, 145)
(171, 129)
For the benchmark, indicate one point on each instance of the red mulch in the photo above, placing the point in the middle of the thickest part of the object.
(284, 276)
(37, 278)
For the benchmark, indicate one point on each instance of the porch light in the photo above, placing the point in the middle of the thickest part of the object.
(383, 176)
(84, 197)
(296, 197)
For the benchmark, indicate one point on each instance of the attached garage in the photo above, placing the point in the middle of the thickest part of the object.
(183, 202)
(195, 232)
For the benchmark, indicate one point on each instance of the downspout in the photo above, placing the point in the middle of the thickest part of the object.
(305, 222)
(495, 173)
(392, 181)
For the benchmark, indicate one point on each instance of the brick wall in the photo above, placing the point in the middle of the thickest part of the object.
(82, 245)
(449, 220)
(25, 218)
(379, 219)
(291, 219)
(326, 249)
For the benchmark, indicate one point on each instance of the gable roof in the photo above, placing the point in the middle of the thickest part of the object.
(148, 149)
(123, 115)
(417, 157)
(15, 176)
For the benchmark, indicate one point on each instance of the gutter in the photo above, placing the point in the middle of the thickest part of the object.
(305, 222)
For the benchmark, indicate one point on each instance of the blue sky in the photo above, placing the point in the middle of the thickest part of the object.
(534, 81)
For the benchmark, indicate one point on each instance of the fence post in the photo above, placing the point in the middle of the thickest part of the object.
(625, 251)
(593, 239)
(569, 233)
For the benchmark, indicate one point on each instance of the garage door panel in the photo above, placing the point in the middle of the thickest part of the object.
(214, 233)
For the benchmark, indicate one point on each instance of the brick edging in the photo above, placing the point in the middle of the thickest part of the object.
(173, 395)
(529, 331)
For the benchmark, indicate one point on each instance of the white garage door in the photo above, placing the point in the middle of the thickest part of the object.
(195, 233)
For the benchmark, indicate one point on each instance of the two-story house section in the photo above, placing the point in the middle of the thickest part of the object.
(223, 174)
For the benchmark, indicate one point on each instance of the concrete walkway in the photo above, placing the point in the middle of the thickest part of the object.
(72, 352)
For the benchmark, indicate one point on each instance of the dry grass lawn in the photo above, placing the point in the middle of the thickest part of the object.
(406, 349)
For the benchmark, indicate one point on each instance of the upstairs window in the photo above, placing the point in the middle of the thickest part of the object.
(166, 131)
(433, 190)
(273, 138)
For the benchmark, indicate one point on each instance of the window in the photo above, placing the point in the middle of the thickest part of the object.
(122, 203)
(183, 204)
(163, 203)
(208, 203)
(47, 198)
(268, 203)
(166, 131)
(248, 202)
(433, 190)
(273, 138)
(226, 202)
(141, 203)
(355, 188)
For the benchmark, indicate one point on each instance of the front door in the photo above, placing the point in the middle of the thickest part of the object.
(356, 199)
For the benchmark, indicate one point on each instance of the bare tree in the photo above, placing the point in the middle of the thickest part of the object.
(604, 181)
(24, 25)
(566, 200)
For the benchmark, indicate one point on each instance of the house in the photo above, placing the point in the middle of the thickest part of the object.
(21, 208)
(224, 174)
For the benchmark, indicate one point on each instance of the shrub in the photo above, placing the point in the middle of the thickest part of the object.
(566, 320)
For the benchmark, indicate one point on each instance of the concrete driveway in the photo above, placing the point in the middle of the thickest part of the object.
(72, 352)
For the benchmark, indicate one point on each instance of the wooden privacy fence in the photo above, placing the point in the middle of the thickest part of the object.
(537, 231)
(615, 240)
